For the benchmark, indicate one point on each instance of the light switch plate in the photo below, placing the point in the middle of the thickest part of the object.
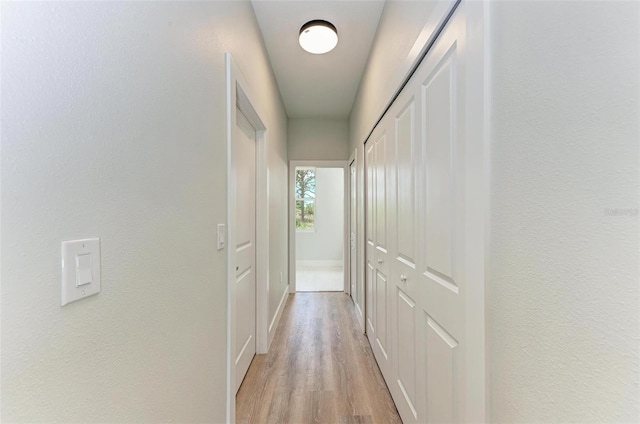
(80, 269)
(222, 236)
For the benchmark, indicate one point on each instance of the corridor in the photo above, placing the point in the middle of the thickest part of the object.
(319, 369)
(154, 236)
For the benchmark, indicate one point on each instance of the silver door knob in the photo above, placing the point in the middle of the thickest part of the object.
(403, 278)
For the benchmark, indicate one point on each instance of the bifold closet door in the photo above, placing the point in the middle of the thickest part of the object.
(416, 166)
(378, 286)
(406, 290)
(370, 183)
(441, 193)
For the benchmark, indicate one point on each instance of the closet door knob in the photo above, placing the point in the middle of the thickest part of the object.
(403, 278)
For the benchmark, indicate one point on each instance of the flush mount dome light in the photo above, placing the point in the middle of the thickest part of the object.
(318, 37)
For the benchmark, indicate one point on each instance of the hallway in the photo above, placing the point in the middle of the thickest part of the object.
(488, 213)
(319, 368)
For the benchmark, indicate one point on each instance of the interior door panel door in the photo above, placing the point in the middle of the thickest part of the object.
(370, 244)
(245, 286)
(442, 226)
(405, 115)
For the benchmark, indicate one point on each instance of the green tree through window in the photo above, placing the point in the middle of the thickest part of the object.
(305, 198)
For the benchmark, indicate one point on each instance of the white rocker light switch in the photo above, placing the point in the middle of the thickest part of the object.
(80, 269)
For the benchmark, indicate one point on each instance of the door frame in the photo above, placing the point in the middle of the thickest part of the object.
(352, 229)
(240, 96)
(358, 161)
(344, 165)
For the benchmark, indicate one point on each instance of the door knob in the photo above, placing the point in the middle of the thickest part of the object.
(403, 278)
(379, 261)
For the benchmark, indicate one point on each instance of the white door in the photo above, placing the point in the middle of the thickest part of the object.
(370, 166)
(381, 274)
(244, 161)
(445, 304)
(442, 226)
(353, 262)
(378, 287)
(406, 249)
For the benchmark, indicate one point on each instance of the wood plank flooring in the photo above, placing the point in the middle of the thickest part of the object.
(319, 369)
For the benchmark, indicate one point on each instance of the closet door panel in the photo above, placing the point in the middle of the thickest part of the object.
(441, 225)
(381, 319)
(383, 287)
(406, 370)
(405, 251)
(405, 188)
(381, 199)
(370, 244)
(443, 254)
(442, 365)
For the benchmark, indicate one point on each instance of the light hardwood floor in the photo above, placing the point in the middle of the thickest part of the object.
(319, 369)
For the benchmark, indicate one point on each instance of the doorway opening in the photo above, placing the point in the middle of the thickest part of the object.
(318, 226)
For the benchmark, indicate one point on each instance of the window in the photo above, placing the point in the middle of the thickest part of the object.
(305, 199)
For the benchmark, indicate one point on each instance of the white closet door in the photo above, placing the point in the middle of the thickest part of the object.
(370, 181)
(377, 278)
(420, 229)
(442, 227)
(406, 382)
(381, 347)
(423, 326)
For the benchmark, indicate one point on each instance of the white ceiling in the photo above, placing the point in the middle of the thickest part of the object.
(318, 85)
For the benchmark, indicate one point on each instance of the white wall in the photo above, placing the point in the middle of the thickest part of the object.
(564, 304)
(318, 139)
(326, 243)
(113, 118)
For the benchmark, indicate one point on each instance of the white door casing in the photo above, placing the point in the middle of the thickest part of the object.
(352, 231)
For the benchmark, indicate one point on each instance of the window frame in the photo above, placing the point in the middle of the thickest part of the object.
(307, 200)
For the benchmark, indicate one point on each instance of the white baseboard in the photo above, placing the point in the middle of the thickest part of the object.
(320, 263)
(276, 318)
(359, 316)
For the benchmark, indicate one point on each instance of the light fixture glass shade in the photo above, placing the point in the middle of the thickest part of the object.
(318, 37)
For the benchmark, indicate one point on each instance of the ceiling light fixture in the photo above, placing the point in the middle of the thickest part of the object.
(318, 36)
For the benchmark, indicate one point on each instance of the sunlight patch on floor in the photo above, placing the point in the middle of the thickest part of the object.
(313, 279)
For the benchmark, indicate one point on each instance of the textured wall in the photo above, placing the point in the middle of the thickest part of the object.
(113, 125)
(563, 283)
(318, 139)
